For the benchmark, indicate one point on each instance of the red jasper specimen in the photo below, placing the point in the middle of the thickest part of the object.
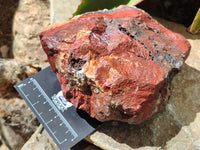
(115, 65)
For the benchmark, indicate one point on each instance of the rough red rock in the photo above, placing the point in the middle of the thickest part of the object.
(115, 65)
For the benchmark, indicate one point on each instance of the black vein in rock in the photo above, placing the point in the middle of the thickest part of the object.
(124, 30)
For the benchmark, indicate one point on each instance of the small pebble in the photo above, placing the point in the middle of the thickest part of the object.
(4, 51)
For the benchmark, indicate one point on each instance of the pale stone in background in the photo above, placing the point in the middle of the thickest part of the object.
(4, 147)
(194, 57)
(29, 20)
(40, 141)
(17, 122)
(12, 139)
(63, 9)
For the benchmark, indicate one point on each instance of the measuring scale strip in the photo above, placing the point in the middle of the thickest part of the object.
(53, 107)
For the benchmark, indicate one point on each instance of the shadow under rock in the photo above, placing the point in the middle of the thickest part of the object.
(180, 110)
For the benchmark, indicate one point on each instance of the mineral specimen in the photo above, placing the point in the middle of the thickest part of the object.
(115, 65)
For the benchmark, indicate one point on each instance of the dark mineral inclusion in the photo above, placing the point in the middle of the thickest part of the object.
(115, 65)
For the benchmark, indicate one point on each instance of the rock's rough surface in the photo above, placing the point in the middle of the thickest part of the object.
(115, 65)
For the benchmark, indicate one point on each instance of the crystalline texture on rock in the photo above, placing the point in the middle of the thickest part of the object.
(115, 65)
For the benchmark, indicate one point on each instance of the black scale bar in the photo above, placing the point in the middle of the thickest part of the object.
(67, 126)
